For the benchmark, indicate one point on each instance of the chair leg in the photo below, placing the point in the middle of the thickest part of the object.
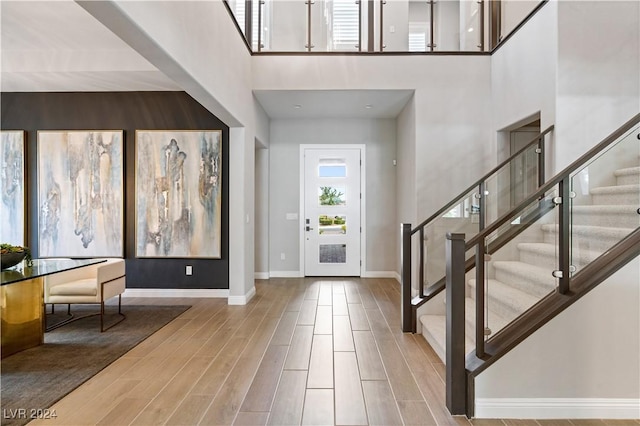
(70, 318)
(122, 316)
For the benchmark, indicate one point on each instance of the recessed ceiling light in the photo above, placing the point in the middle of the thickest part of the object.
(368, 106)
(297, 106)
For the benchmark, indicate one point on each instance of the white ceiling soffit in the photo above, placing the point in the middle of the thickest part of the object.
(58, 46)
(281, 104)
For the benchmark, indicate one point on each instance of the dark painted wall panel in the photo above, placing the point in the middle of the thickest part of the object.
(127, 111)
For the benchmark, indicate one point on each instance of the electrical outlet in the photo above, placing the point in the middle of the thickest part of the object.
(189, 270)
(282, 256)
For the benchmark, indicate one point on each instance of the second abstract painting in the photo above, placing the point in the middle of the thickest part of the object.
(178, 193)
(80, 193)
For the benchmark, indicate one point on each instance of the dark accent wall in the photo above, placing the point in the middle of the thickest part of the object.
(127, 111)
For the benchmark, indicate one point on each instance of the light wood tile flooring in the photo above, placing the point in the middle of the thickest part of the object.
(303, 351)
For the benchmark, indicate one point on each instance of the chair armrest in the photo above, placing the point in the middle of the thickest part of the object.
(110, 270)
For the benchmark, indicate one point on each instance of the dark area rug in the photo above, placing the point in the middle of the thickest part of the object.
(38, 377)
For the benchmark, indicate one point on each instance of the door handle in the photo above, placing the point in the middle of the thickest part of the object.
(309, 228)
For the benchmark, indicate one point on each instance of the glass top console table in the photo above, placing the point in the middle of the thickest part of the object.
(22, 301)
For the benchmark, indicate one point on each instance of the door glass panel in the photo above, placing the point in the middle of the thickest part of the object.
(332, 225)
(332, 171)
(333, 253)
(332, 196)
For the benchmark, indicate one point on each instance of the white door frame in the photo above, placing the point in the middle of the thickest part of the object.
(363, 202)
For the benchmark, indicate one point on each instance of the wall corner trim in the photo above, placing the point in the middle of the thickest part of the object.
(557, 408)
(242, 300)
(176, 292)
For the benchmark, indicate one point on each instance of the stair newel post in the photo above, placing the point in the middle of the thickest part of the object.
(455, 322)
(408, 324)
(480, 298)
(564, 235)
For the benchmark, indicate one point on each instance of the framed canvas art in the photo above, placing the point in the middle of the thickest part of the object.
(80, 193)
(178, 193)
(12, 182)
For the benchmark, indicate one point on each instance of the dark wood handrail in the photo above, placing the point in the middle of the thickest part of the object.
(589, 155)
(456, 200)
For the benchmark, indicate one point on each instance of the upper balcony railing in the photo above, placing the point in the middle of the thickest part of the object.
(365, 26)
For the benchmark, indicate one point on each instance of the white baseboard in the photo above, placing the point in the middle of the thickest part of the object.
(380, 274)
(176, 292)
(557, 408)
(285, 274)
(242, 300)
(261, 275)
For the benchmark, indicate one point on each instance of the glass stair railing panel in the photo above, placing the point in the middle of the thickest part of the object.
(512, 183)
(605, 200)
(463, 216)
(519, 264)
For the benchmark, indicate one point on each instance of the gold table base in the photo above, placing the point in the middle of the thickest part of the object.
(22, 315)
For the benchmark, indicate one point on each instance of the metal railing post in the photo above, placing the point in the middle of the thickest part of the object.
(564, 237)
(405, 255)
(480, 299)
(456, 392)
(541, 161)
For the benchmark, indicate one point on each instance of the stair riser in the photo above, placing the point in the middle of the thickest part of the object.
(508, 311)
(547, 261)
(628, 179)
(626, 198)
(631, 220)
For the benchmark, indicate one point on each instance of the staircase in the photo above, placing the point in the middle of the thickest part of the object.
(520, 274)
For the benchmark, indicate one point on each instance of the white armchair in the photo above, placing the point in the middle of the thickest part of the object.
(87, 285)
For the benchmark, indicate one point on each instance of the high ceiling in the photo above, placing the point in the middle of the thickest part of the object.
(57, 46)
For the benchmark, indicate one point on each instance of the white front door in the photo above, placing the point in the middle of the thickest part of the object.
(331, 217)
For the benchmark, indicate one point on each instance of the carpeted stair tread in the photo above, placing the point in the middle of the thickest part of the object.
(545, 255)
(592, 231)
(434, 329)
(535, 280)
(506, 301)
(628, 176)
(617, 189)
(618, 194)
(623, 216)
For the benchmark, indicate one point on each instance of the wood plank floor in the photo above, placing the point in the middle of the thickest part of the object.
(303, 351)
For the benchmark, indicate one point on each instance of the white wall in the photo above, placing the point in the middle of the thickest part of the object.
(523, 73)
(451, 101)
(598, 77)
(262, 214)
(585, 360)
(379, 136)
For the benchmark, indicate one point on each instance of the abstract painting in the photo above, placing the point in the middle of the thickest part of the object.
(80, 193)
(12, 182)
(178, 193)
